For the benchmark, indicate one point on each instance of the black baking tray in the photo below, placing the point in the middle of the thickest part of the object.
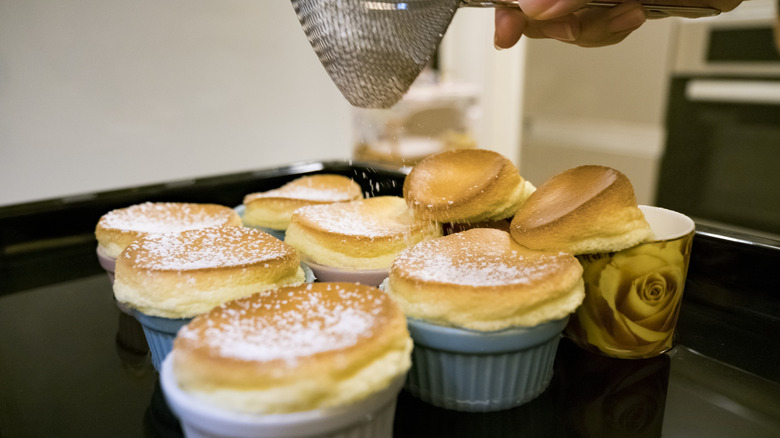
(72, 365)
(56, 234)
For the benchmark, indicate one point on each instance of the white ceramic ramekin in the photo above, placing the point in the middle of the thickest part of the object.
(368, 418)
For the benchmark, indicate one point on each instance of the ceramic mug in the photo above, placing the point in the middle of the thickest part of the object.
(633, 296)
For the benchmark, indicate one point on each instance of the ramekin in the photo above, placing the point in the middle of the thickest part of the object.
(473, 371)
(369, 418)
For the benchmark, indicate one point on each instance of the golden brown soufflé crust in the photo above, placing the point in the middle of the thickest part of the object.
(362, 234)
(178, 275)
(117, 228)
(483, 280)
(465, 185)
(274, 208)
(587, 209)
(294, 348)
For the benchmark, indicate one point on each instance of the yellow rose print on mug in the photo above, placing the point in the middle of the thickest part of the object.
(633, 296)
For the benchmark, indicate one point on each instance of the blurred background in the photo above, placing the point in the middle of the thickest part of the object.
(102, 95)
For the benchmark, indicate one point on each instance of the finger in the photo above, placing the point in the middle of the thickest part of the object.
(566, 28)
(550, 9)
(607, 26)
(591, 27)
(509, 25)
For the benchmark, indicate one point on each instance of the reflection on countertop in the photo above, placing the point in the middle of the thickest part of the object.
(68, 370)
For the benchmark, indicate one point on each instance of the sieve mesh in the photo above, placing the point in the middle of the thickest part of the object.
(374, 49)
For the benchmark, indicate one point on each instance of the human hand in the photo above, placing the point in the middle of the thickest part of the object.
(568, 21)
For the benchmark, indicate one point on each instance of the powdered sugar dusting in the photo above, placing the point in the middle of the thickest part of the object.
(206, 248)
(316, 188)
(455, 260)
(355, 219)
(288, 325)
(165, 217)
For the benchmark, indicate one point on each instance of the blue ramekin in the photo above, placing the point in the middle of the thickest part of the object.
(473, 371)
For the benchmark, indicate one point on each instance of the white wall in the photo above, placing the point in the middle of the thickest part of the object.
(598, 106)
(103, 94)
(98, 95)
(624, 82)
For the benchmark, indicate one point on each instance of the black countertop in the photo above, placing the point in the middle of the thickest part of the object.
(73, 365)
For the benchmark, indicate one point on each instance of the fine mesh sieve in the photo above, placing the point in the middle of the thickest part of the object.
(373, 50)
